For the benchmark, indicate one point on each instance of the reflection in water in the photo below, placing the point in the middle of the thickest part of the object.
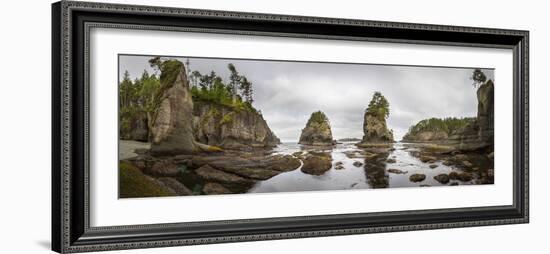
(375, 171)
(354, 168)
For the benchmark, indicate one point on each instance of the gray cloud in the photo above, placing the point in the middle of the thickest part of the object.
(288, 92)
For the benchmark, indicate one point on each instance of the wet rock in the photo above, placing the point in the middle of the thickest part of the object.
(209, 173)
(467, 164)
(447, 163)
(353, 185)
(141, 150)
(465, 177)
(162, 168)
(460, 157)
(462, 176)
(175, 185)
(433, 166)
(254, 173)
(396, 171)
(491, 155)
(453, 175)
(425, 185)
(339, 165)
(454, 184)
(255, 167)
(442, 178)
(281, 163)
(390, 160)
(357, 163)
(298, 154)
(215, 188)
(316, 165)
(417, 177)
(134, 184)
(427, 158)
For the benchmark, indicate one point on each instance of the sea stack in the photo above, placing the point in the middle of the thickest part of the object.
(317, 131)
(375, 128)
(172, 131)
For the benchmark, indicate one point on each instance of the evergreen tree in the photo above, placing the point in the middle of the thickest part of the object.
(478, 77)
(379, 106)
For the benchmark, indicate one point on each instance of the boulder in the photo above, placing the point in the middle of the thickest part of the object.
(442, 178)
(417, 178)
(357, 163)
(317, 164)
(317, 131)
(396, 171)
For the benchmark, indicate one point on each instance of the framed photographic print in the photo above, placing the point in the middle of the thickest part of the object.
(181, 126)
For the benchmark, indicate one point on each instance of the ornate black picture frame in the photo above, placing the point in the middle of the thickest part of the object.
(71, 231)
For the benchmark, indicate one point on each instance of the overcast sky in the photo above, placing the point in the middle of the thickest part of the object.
(288, 92)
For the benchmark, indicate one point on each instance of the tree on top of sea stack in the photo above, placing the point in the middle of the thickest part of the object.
(317, 131)
(374, 125)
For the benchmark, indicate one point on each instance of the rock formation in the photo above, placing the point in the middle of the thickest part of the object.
(375, 130)
(172, 130)
(476, 133)
(317, 131)
(135, 128)
(486, 111)
(182, 125)
(231, 129)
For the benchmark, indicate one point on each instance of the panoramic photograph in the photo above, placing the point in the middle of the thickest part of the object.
(207, 126)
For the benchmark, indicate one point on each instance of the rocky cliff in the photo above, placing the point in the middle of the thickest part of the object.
(183, 126)
(317, 131)
(473, 133)
(226, 127)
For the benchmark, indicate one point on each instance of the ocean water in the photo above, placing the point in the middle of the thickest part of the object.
(367, 176)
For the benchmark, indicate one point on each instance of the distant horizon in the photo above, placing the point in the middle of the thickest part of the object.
(288, 92)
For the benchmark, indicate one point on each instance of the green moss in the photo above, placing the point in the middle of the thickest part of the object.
(134, 184)
(169, 72)
(227, 118)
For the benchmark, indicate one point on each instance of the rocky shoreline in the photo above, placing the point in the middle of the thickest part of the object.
(198, 146)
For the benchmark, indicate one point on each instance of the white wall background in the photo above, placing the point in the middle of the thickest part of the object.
(25, 125)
